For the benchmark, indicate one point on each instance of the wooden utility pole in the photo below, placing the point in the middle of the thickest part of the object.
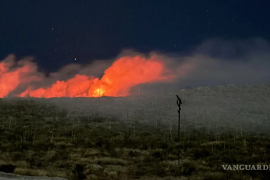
(178, 102)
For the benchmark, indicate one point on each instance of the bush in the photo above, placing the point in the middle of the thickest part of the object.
(188, 168)
(133, 153)
(99, 141)
(201, 153)
(9, 168)
(78, 172)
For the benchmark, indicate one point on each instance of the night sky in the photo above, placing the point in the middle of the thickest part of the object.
(57, 32)
(209, 42)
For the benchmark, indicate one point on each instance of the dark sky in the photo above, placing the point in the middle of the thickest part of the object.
(57, 32)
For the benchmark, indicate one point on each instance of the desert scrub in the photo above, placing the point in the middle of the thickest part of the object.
(113, 161)
(48, 138)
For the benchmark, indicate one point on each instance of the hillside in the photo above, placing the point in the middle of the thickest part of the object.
(136, 136)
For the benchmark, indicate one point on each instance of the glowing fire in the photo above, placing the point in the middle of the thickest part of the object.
(117, 80)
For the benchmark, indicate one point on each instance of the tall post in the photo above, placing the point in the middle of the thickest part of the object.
(178, 102)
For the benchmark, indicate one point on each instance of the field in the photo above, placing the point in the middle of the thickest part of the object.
(135, 137)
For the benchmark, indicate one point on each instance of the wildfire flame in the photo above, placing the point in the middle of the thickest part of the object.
(125, 73)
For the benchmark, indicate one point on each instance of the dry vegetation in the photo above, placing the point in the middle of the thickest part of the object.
(135, 137)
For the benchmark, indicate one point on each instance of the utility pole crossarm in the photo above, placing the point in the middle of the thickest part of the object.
(178, 102)
(178, 99)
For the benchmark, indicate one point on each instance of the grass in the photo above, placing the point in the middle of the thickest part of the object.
(41, 137)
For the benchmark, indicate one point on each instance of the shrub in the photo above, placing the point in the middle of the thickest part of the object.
(188, 168)
(78, 172)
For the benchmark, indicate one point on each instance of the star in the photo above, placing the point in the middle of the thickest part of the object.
(75, 59)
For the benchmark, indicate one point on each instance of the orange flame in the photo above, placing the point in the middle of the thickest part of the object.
(123, 74)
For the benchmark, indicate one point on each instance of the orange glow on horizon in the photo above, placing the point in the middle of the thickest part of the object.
(125, 73)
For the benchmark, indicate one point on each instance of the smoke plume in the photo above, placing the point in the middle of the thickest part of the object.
(213, 62)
